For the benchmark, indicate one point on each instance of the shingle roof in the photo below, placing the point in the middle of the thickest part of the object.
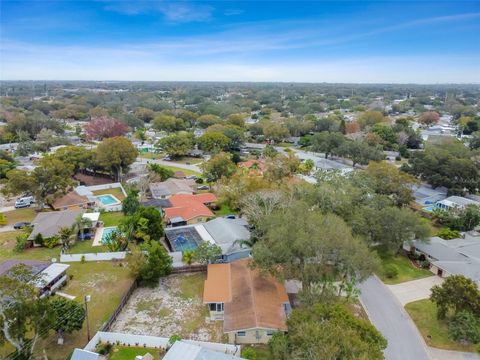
(35, 266)
(181, 350)
(49, 223)
(256, 301)
(171, 187)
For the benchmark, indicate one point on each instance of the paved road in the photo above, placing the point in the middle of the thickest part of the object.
(6, 228)
(389, 317)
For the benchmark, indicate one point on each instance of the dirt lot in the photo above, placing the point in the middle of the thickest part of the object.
(173, 308)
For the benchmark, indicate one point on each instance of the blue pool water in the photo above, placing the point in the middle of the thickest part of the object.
(429, 208)
(106, 232)
(182, 243)
(107, 199)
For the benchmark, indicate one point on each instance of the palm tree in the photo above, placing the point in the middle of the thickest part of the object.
(66, 235)
(82, 223)
(246, 243)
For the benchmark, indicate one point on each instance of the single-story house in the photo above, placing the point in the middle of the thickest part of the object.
(253, 307)
(455, 203)
(47, 277)
(254, 167)
(425, 194)
(226, 233)
(191, 209)
(72, 200)
(182, 350)
(450, 257)
(170, 187)
(48, 224)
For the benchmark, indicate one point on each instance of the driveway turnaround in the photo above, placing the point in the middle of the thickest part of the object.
(389, 317)
(414, 290)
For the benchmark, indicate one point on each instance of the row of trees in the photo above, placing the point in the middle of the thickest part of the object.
(52, 176)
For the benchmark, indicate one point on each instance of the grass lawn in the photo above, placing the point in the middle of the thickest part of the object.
(82, 247)
(225, 210)
(111, 218)
(190, 160)
(185, 171)
(262, 351)
(191, 286)
(129, 353)
(154, 156)
(106, 282)
(434, 331)
(25, 214)
(7, 243)
(117, 192)
(406, 271)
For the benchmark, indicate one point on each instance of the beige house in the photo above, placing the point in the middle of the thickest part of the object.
(252, 307)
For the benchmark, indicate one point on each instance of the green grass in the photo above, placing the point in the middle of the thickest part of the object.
(149, 155)
(117, 192)
(111, 218)
(82, 247)
(191, 286)
(434, 331)
(185, 171)
(262, 351)
(26, 214)
(190, 160)
(406, 270)
(7, 243)
(129, 353)
(225, 210)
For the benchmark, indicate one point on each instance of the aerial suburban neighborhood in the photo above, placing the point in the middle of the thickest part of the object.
(195, 180)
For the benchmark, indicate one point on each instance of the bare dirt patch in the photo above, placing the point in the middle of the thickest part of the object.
(174, 307)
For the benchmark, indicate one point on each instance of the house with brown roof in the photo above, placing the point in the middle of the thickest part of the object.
(190, 209)
(254, 167)
(253, 307)
(72, 200)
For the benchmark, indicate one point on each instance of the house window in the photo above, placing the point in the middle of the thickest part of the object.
(218, 307)
(241, 333)
(270, 332)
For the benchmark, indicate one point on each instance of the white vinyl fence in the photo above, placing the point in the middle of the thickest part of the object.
(154, 342)
(106, 256)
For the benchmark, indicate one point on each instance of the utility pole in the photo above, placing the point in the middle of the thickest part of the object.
(87, 299)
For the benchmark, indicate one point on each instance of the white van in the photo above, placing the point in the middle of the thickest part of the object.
(24, 202)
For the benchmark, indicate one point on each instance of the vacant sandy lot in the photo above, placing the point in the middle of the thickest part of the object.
(174, 307)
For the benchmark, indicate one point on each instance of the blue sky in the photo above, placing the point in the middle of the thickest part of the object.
(311, 41)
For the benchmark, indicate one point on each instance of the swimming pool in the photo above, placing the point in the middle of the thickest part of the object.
(106, 232)
(182, 243)
(108, 199)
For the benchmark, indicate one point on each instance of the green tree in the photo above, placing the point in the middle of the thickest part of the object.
(66, 235)
(457, 293)
(220, 165)
(370, 118)
(206, 253)
(176, 145)
(465, 327)
(205, 121)
(116, 241)
(360, 152)
(146, 224)
(80, 157)
(158, 263)
(326, 142)
(25, 317)
(163, 172)
(325, 332)
(270, 151)
(131, 203)
(313, 248)
(168, 123)
(116, 154)
(213, 141)
(76, 315)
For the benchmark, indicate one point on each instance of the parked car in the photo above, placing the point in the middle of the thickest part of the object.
(203, 187)
(85, 236)
(191, 177)
(167, 158)
(21, 225)
(24, 202)
(230, 216)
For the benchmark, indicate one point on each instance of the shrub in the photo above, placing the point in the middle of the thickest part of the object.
(38, 239)
(3, 220)
(51, 242)
(21, 243)
(464, 327)
(448, 234)
(104, 349)
(425, 264)
(187, 257)
(391, 271)
(249, 353)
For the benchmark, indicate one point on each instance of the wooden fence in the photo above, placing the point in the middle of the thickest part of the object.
(118, 310)
(187, 269)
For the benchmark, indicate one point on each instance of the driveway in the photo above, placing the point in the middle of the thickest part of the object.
(389, 317)
(439, 354)
(414, 290)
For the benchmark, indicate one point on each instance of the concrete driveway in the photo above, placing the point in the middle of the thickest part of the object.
(390, 318)
(414, 290)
